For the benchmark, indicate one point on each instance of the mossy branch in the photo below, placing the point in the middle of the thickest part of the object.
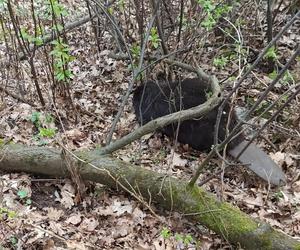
(167, 192)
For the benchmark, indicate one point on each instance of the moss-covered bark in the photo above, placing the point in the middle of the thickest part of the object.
(165, 191)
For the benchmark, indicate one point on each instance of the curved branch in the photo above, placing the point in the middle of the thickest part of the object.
(168, 119)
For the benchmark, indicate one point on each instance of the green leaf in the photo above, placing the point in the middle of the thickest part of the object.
(220, 62)
(38, 41)
(13, 241)
(165, 233)
(35, 118)
(47, 132)
(271, 54)
(22, 194)
(273, 74)
(188, 239)
(28, 202)
(179, 237)
(12, 214)
(288, 77)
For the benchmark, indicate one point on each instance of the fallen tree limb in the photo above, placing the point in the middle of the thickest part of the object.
(170, 193)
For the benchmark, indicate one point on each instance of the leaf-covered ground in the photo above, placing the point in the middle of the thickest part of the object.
(38, 213)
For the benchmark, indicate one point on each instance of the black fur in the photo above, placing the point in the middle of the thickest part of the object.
(154, 100)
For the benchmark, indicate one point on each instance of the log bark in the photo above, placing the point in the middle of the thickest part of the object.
(167, 192)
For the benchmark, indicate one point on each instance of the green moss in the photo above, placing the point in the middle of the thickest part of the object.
(218, 216)
(4, 142)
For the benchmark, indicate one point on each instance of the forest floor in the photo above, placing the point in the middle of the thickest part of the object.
(37, 213)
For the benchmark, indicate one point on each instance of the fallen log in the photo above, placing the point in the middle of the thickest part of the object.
(167, 192)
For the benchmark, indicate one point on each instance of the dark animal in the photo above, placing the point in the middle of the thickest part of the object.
(153, 100)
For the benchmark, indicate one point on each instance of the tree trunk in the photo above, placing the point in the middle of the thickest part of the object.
(167, 192)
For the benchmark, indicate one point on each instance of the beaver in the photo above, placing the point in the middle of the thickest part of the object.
(153, 100)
